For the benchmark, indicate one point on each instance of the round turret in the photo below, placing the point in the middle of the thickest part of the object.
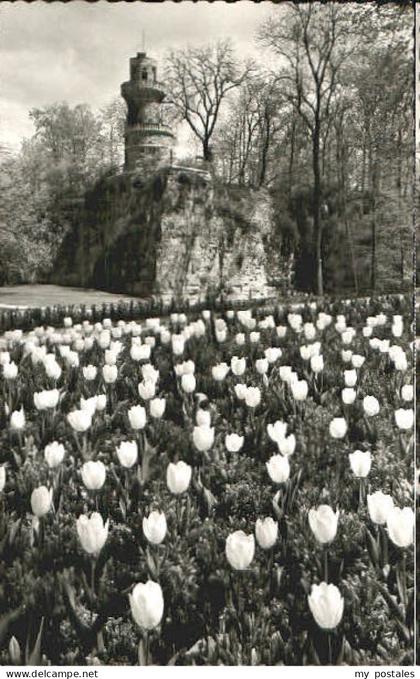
(148, 140)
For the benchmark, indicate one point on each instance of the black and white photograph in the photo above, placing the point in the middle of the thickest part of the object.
(207, 335)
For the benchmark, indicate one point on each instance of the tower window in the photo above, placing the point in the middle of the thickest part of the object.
(144, 75)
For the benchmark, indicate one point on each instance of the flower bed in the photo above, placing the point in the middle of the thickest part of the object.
(213, 487)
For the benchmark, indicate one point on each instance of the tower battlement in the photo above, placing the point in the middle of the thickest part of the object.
(148, 140)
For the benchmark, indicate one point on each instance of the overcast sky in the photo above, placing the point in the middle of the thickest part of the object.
(79, 51)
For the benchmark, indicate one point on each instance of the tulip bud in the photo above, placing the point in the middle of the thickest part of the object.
(278, 468)
(137, 417)
(326, 604)
(154, 527)
(360, 463)
(400, 525)
(266, 531)
(233, 442)
(240, 549)
(93, 474)
(178, 477)
(54, 454)
(127, 453)
(146, 604)
(92, 532)
(323, 522)
(15, 652)
(338, 428)
(203, 437)
(41, 500)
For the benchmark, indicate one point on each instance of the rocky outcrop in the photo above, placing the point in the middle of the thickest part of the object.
(176, 233)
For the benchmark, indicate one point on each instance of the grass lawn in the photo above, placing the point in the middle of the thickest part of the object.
(34, 296)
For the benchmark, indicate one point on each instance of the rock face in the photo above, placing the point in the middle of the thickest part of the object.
(175, 234)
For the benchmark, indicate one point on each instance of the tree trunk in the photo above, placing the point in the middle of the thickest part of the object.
(317, 206)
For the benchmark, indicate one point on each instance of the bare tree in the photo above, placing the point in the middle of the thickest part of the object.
(312, 41)
(198, 81)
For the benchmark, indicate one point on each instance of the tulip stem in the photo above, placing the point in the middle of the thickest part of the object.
(326, 565)
(330, 661)
(361, 494)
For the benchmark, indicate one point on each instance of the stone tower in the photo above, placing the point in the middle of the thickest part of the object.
(148, 140)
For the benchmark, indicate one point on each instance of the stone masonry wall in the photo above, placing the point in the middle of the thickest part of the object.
(175, 234)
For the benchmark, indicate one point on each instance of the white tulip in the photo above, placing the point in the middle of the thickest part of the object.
(238, 365)
(157, 407)
(127, 453)
(277, 431)
(178, 477)
(323, 522)
(233, 442)
(338, 428)
(188, 383)
(360, 463)
(240, 550)
(404, 418)
(400, 525)
(92, 532)
(137, 417)
(379, 506)
(147, 390)
(93, 474)
(89, 372)
(80, 420)
(287, 445)
(17, 420)
(154, 527)
(203, 437)
(41, 501)
(348, 395)
(278, 468)
(350, 378)
(326, 605)
(266, 532)
(54, 454)
(146, 604)
(46, 399)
